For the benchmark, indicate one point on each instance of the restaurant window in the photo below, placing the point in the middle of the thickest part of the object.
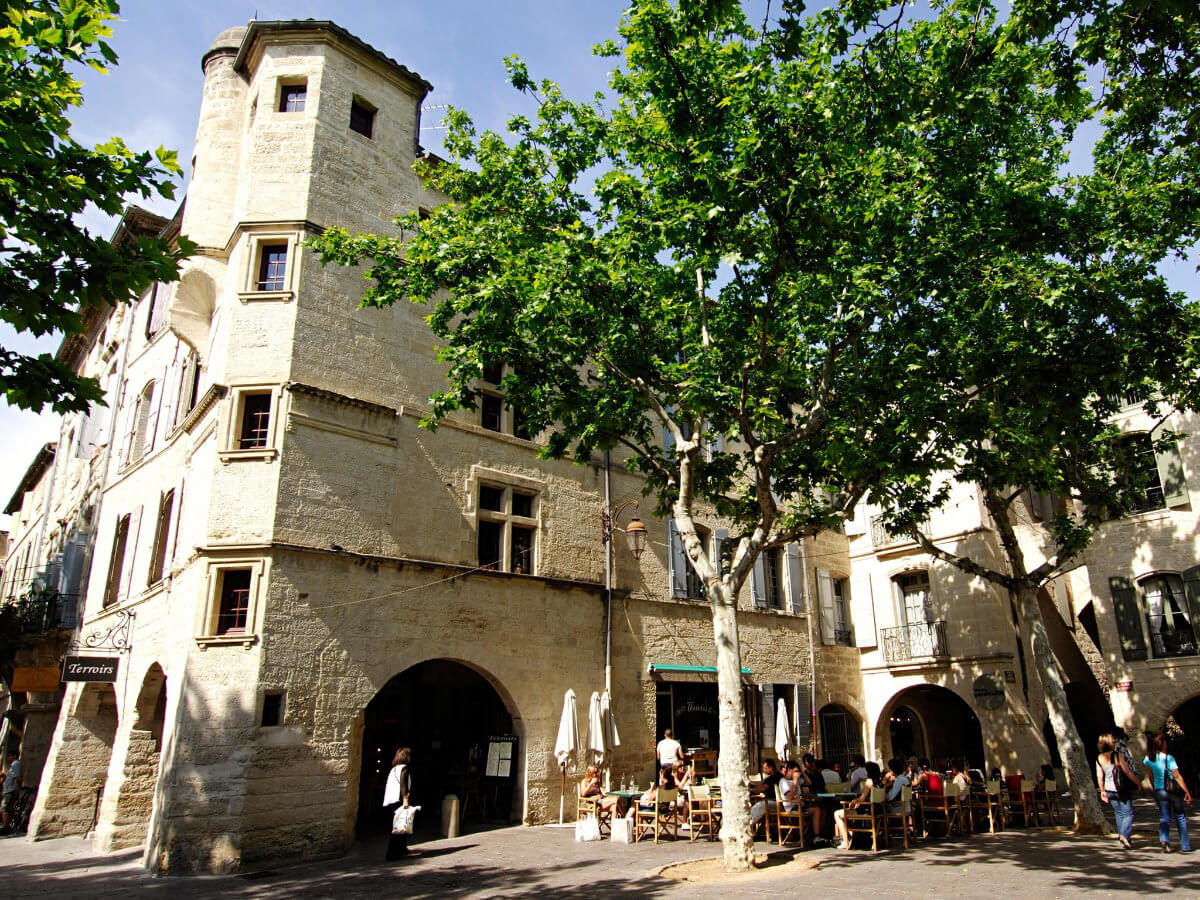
(254, 420)
(158, 558)
(272, 267)
(362, 118)
(507, 529)
(233, 611)
(292, 97)
(116, 561)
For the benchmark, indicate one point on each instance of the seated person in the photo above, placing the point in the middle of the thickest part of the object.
(766, 789)
(811, 784)
(858, 771)
(683, 780)
(666, 782)
(1045, 773)
(899, 781)
(590, 787)
(871, 778)
(960, 778)
(917, 772)
(829, 775)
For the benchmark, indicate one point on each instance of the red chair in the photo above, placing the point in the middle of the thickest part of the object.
(1019, 803)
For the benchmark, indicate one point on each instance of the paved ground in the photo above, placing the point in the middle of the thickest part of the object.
(547, 862)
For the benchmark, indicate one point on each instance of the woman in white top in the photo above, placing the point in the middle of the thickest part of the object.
(395, 793)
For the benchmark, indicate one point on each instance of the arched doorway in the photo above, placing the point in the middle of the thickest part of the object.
(135, 794)
(841, 734)
(934, 722)
(448, 714)
(1182, 728)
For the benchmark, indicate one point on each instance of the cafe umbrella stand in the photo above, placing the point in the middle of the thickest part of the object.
(566, 745)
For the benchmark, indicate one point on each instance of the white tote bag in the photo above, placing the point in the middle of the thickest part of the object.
(402, 821)
(587, 829)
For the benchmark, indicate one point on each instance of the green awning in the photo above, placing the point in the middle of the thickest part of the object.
(703, 670)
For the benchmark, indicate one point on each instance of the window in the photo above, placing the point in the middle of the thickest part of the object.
(1156, 479)
(272, 711)
(189, 386)
(116, 561)
(272, 267)
(492, 406)
(773, 577)
(141, 435)
(156, 313)
(833, 598)
(362, 118)
(158, 559)
(491, 412)
(233, 610)
(292, 97)
(841, 612)
(914, 601)
(695, 587)
(255, 421)
(507, 527)
(1171, 626)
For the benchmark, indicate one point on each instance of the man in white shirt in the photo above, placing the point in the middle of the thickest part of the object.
(670, 751)
(858, 772)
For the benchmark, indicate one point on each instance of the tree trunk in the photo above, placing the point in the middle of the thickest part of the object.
(737, 837)
(1088, 817)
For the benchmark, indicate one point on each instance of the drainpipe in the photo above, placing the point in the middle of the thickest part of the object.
(812, 653)
(607, 580)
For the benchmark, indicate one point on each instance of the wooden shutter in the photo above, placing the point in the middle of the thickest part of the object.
(170, 388)
(156, 400)
(862, 612)
(116, 561)
(676, 562)
(1129, 618)
(825, 605)
(175, 526)
(162, 527)
(804, 715)
(768, 716)
(1191, 587)
(131, 548)
(795, 578)
(758, 584)
(1170, 473)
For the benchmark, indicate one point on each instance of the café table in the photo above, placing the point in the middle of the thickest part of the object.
(625, 799)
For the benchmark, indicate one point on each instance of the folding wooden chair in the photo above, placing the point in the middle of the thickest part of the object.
(1019, 801)
(901, 818)
(868, 817)
(990, 804)
(592, 806)
(788, 821)
(1045, 797)
(661, 818)
(702, 818)
(940, 810)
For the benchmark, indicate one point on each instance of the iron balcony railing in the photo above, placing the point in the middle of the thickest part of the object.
(881, 536)
(1171, 636)
(921, 640)
(843, 636)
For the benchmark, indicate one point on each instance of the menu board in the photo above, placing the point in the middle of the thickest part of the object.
(501, 752)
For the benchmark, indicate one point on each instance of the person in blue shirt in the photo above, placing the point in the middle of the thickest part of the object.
(1162, 769)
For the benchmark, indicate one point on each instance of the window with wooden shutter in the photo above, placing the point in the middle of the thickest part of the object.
(1170, 475)
(677, 564)
(162, 527)
(1129, 619)
(825, 599)
(116, 561)
(1168, 618)
(1191, 588)
(795, 579)
(758, 587)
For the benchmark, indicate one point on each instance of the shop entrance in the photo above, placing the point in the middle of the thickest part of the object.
(448, 714)
(691, 710)
(933, 722)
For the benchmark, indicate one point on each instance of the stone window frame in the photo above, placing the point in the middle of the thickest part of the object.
(206, 625)
(508, 413)
(290, 81)
(357, 100)
(232, 425)
(485, 477)
(256, 241)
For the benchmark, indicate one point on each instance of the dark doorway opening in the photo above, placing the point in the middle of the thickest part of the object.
(934, 722)
(1182, 728)
(841, 735)
(446, 713)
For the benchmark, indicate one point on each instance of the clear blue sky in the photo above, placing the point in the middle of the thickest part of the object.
(153, 96)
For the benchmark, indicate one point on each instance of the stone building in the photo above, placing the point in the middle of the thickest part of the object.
(297, 579)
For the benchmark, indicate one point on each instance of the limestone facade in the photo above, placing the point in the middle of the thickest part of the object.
(303, 571)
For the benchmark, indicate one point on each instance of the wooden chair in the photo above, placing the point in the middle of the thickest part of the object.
(868, 818)
(702, 816)
(990, 804)
(838, 787)
(661, 818)
(1045, 797)
(901, 819)
(1019, 801)
(940, 809)
(787, 821)
(593, 806)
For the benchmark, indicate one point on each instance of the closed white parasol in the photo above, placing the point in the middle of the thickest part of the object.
(567, 744)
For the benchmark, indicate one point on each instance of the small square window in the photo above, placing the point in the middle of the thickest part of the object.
(522, 505)
(362, 118)
(272, 712)
(255, 421)
(493, 373)
(272, 267)
(233, 613)
(492, 410)
(491, 498)
(292, 97)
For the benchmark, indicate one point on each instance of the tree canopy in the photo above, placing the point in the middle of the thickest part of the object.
(51, 268)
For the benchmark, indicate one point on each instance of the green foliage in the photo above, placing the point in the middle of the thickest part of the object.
(51, 270)
(30, 615)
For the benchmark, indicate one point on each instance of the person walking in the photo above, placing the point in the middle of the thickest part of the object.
(1113, 776)
(1170, 791)
(12, 790)
(395, 794)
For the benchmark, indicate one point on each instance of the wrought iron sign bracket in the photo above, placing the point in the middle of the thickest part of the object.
(116, 638)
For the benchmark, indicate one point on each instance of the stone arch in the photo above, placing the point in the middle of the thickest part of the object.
(127, 816)
(74, 782)
(1182, 728)
(949, 727)
(390, 719)
(841, 733)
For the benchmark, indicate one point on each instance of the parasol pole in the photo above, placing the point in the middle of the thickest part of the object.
(562, 794)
